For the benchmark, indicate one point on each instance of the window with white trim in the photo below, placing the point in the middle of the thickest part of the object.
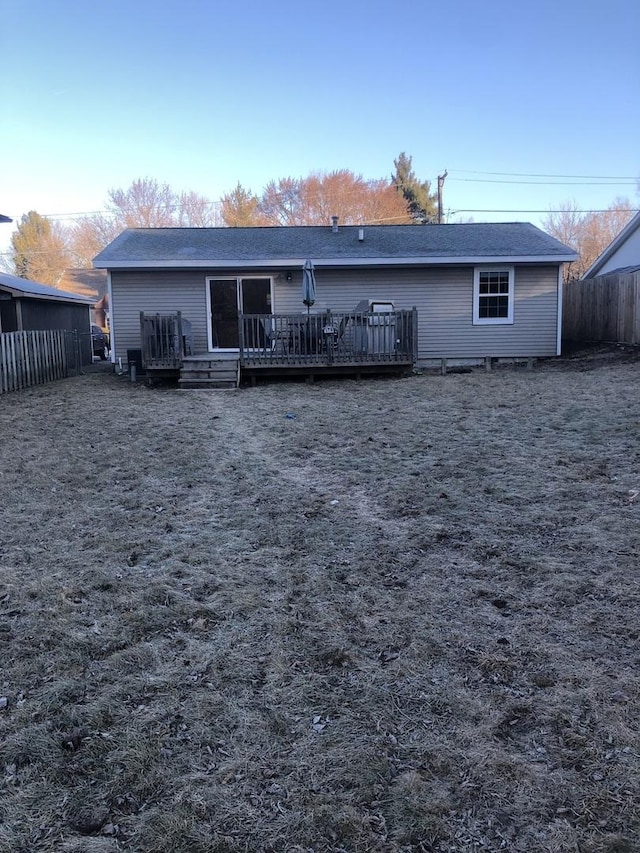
(493, 295)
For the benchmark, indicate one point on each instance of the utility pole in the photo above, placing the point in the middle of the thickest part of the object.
(440, 185)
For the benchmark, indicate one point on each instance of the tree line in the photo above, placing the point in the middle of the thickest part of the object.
(588, 233)
(43, 249)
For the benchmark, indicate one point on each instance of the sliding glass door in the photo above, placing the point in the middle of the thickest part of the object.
(227, 297)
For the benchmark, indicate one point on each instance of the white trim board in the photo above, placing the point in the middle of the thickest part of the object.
(294, 263)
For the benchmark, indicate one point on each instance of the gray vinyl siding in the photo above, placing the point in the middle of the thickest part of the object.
(444, 299)
(156, 292)
(443, 296)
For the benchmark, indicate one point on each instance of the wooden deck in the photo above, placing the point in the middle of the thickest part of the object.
(290, 344)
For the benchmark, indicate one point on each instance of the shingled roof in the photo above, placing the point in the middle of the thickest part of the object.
(24, 287)
(380, 245)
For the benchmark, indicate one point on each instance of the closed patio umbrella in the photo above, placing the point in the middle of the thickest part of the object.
(308, 284)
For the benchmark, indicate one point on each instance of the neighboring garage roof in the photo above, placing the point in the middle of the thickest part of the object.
(630, 228)
(621, 271)
(381, 244)
(84, 282)
(34, 290)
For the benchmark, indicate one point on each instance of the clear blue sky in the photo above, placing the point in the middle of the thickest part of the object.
(202, 94)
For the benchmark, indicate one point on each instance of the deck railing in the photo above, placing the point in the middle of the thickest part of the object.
(328, 338)
(164, 339)
(290, 340)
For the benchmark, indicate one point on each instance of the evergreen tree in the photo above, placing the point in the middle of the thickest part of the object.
(40, 251)
(422, 203)
(240, 208)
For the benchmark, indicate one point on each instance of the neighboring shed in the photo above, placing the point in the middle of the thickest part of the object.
(481, 290)
(30, 306)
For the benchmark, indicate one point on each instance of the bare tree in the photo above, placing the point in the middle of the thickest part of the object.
(601, 228)
(314, 199)
(281, 203)
(588, 233)
(196, 211)
(144, 204)
(90, 235)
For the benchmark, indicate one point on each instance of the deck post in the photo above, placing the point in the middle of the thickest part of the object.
(241, 340)
(143, 342)
(487, 363)
(443, 366)
(180, 352)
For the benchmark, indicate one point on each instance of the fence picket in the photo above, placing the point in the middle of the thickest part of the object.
(30, 358)
(605, 308)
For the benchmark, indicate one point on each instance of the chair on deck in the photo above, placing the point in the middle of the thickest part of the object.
(334, 333)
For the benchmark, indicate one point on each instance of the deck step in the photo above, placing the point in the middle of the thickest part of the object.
(212, 373)
(212, 384)
(209, 373)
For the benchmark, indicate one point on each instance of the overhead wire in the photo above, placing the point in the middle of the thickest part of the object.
(544, 175)
(558, 180)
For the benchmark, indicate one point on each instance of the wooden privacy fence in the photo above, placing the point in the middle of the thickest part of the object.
(30, 358)
(605, 308)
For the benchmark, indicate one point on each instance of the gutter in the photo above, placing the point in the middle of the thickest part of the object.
(245, 263)
(25, 294)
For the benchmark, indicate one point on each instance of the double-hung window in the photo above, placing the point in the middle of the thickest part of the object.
(493, 295)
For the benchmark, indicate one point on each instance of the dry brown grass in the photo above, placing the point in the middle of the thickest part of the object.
(403, 620)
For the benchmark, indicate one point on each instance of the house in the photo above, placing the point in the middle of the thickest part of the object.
(30, 306)
(623, 251)
(92, 284)
(479, 290)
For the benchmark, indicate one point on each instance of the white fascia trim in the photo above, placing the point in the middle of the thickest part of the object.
(24, 294)
(240, 263)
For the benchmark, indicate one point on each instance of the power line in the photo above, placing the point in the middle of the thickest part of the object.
(567, 180)
(534, 175)
(589, 183)
(546, 210)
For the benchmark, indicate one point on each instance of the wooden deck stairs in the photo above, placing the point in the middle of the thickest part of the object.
(220, 372)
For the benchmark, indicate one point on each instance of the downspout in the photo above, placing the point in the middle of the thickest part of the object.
(19, 314)
(112, 339)
(560, 297)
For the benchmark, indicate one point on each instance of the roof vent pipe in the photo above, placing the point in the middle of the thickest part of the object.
(334, 224)
(361, 234)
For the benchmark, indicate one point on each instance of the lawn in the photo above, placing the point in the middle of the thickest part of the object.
(392, 615)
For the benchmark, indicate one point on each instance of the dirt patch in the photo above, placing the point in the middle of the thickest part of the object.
(389, 615)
